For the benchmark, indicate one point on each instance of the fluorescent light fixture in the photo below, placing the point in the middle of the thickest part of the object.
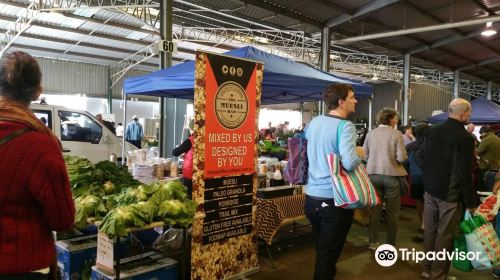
(489, 31)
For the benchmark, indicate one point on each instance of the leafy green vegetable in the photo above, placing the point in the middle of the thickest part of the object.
(105, 187)
(130, 196)
(109, 187)
(149, 189)
(119, 175)
(119, 219)
(168, 191)
(177, 212)
(102, 178)
(148, 208)
(87, 206)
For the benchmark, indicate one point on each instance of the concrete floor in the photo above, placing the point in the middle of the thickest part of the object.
(294, 258)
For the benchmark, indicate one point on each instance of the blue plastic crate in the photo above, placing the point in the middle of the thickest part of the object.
(163, 269)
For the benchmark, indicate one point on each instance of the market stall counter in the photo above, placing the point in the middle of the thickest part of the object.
(273, 213)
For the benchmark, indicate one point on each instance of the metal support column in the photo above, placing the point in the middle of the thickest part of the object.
(406, 87)
(110, 93)
(166, 11)
(325, 60)
(456, 84)
(489, 90)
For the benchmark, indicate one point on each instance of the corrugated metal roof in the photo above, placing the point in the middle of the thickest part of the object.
(119, 17)
(58, 19)
(125, 33)
(60, 56)
(352, 4)
(457, 11)
(84, 38)
(85, 12)
(9, 10)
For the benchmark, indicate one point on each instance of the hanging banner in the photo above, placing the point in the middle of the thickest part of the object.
(226, 101)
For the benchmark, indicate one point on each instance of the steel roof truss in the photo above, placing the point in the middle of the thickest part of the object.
(69, 5)
(119, 69)
(21, 24)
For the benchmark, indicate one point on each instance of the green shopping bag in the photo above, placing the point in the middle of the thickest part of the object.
(481, 237)
(460, 244)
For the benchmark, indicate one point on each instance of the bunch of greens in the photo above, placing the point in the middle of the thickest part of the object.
(177, 212)
(87, 206)
(103, 178)
(107, 188)
(119, 175)
(170, 190)
(80, 171)
(116, 222)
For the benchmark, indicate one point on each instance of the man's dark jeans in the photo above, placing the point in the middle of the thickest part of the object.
(330, 226)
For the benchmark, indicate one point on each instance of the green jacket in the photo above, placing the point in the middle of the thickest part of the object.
(489, 150)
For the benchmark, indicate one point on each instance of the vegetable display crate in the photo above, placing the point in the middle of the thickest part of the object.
(160, 269)
(74, 254)
(109, 266)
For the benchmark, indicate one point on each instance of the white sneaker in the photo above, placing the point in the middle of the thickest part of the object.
(373, 246)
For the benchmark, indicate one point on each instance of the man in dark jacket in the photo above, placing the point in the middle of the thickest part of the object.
(447, 176)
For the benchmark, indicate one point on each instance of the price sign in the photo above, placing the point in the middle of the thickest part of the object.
(104, 252)
(167, 46)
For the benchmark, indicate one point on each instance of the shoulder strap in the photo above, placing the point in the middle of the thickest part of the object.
(339, 134)
(14, 134)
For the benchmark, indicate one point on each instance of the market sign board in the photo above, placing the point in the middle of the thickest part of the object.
(226, 100)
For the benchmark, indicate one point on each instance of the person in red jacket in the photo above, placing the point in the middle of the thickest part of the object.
(35, 196)
(187, 148)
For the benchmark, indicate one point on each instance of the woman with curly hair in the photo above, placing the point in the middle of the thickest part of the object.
(385, 154)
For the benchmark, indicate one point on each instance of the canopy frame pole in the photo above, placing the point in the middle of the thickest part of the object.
(124, 100)
(370, 104)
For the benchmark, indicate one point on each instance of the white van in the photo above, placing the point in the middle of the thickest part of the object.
(81, 134)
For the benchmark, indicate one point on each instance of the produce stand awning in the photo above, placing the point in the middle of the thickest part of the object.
(285, 81)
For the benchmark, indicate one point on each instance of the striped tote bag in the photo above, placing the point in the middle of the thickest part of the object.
(351, 189)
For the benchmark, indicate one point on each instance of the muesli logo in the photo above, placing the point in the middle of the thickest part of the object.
(231, 105)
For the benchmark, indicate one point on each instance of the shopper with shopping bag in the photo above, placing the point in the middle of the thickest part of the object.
(447, 178)
(330, 224)
(481, 238)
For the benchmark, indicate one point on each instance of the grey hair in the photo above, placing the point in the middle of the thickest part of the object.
(458, 106)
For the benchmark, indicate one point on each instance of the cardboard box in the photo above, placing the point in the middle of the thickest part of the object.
(161, 269)
(74, 254)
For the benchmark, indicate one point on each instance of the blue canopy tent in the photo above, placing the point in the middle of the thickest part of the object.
(285, 81)
(484, 111)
